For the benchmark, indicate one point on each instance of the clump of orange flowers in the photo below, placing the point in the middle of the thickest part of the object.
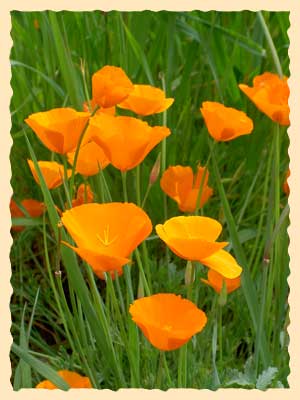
(73, 379)
(106, 234)
(53, 173)
(183, 186)
(270, 94)
(146, 100)
(225, 123)
(216, 281)
(58, 129)
(194, 238)
(167, 320)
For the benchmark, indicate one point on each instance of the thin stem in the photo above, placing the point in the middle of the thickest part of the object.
(270, 43)
(124, 176)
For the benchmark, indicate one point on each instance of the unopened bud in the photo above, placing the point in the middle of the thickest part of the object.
(189, 276)
(154, 174)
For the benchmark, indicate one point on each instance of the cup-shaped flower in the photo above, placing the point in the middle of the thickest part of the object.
(34, 208)
(225, 123)
(126, 141)
(106, 234)
(167, 320)
(285, 185)
(216, 281)
(270, 94)
(59, 129)
(194, 238)
(146, 100)
(74, 380)
(110, 86)
(52, 172)
(84, 195)
(91, 158)
(182, 186)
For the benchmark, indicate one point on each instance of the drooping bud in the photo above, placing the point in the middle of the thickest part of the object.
(154, 174)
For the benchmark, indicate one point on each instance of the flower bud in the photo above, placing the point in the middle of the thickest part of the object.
(155, 171)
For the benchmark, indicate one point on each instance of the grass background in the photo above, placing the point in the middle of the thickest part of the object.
(198, 56)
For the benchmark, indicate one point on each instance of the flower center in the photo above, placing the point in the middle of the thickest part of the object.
(105, 240)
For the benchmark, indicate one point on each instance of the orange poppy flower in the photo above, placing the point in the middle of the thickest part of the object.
(225, 123)
(167, 320)
(270, 94)
(215, 280)
(146, 100)
(84, 195)
(110, 110)
(52, 172)
(91, 158)
(110, 86)
(182, 186)
(106, 233)
(285, 186)
(194, 238)
(126, 141)
(73, 379)
(33, 207)
(59, 129)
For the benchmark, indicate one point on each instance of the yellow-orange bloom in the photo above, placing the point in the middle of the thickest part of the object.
(194, 238)
(84, 195)
(110, 86)
(167, 320)
(182, 186)
(270, 94)
(52, 172)
(216, 280)
(126, 141)
(285, 185)
(225, 123)
(91, 158)
(74, 380)
(106, 234)
(33, 207)
(110, 110)
(146, 100)
(59, 129)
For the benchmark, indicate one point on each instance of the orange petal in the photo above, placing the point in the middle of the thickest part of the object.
(52, 172)
(72, 378)
(223, 263)
(216, 280)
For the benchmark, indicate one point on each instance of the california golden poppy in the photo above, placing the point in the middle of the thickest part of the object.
(59, 129)
(285, 185)
(110, 86)
(225, 123)
(270, 94)
(91, 158)
(182, 186)
(84, 195)
(52, 172)
(73, 379)
(106, 233)
(167, 320)
(33, 207)
(216, 280)
(126, 141)
(110, 110)
(146, 100)
(194, 238)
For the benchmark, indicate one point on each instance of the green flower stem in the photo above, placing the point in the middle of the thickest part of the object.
(146, 195)
(124, 178)
(160, 371)
(220, 332)
(270, 43)
(65, 180)
(77, 153)
(142, 273)
(138, 185)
